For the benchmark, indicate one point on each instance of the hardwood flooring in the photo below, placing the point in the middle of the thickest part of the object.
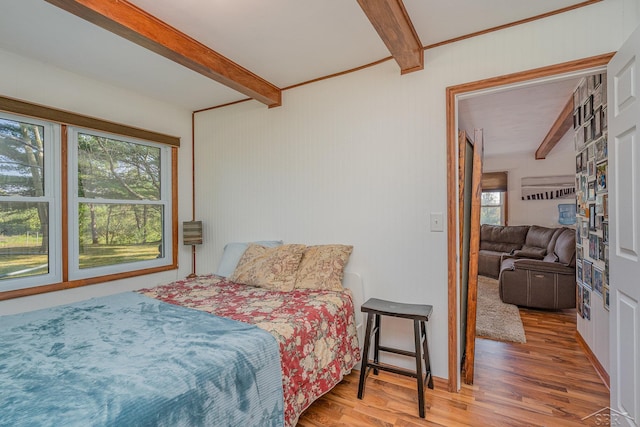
(548, 381)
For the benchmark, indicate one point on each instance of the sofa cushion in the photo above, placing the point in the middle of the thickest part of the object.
(532, 252)
(489, 263)
(552, 243)
(565, 247)
(502, 239)
(541, 237)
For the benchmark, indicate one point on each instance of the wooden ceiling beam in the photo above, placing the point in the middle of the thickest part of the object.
(392, 22)
(134, 24)
(557, 131)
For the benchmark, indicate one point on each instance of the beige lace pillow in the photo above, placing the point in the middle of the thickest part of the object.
(322, 267)
(270, 268)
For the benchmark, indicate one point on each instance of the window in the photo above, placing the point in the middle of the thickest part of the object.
(492, 208)
(493, 203)
(28, 210)
(112, 217)
(118, 201)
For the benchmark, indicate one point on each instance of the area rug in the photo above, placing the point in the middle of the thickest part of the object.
(494, 319)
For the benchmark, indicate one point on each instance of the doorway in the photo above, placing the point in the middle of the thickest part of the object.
(560, 71)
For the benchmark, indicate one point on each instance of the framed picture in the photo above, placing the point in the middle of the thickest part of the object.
(579, 271)
(597, 123)
(579, 299)
(601, 177)
(605, 298)
(579, 162)
(584, 232)
(591, 169)
(579, 253)
(587, 310)
(591, 192)
(597, 280)
(601, 248)
(588, 130)
(601, 149)
(605, 232)
(584, 91)
(577, 101)
(577, 118)
(599, 204)
(599, 220)
(586, 272)
(603, 119)
(597, 100)
(605, 206)
(586, 296)
(587, 108)
(548, 187)
(594, 246)
(578, 236)
(579, 140)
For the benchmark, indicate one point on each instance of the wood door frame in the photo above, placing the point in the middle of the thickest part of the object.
(452, 93)
(474, 247)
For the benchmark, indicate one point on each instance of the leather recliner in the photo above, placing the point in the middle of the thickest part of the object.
(547, 283)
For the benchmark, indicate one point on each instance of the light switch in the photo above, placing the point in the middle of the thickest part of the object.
(437, 221)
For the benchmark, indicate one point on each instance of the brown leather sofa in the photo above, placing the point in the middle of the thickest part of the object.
(520, 241)
(549, 282)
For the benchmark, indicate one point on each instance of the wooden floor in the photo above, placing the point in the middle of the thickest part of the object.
(546, 382)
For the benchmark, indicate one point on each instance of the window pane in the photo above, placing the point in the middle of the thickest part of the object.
(491, 198)
(24, 239)
(21, 159)
(119, 233)
(491, 215)
(112, 169)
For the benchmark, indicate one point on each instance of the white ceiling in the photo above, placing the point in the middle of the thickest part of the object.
(516, 120)
(283, 41)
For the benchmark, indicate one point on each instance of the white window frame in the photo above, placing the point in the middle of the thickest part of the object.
(501, 205)
(52, 196)
(75, 273)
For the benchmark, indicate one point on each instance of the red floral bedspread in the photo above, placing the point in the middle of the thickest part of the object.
(316, 330)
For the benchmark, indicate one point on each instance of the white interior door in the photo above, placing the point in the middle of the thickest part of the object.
(623, 85)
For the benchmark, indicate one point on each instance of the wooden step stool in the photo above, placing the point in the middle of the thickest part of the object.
(420, 315)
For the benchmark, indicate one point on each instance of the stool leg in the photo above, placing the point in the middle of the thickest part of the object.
(376, 343)
(427, 363)
(365, 356)
(417, 335)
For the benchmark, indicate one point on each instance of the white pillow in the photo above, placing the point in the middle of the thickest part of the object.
(233, 252)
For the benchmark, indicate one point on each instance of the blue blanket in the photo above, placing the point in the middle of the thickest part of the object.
(129, 360)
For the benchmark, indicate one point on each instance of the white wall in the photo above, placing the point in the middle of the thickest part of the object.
(43, 84)
(561, 161)
(361, 159)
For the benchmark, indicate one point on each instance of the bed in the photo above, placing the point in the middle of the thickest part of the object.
(316, 330)
(202, 351)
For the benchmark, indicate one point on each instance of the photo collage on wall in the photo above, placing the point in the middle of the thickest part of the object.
(592, 213)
